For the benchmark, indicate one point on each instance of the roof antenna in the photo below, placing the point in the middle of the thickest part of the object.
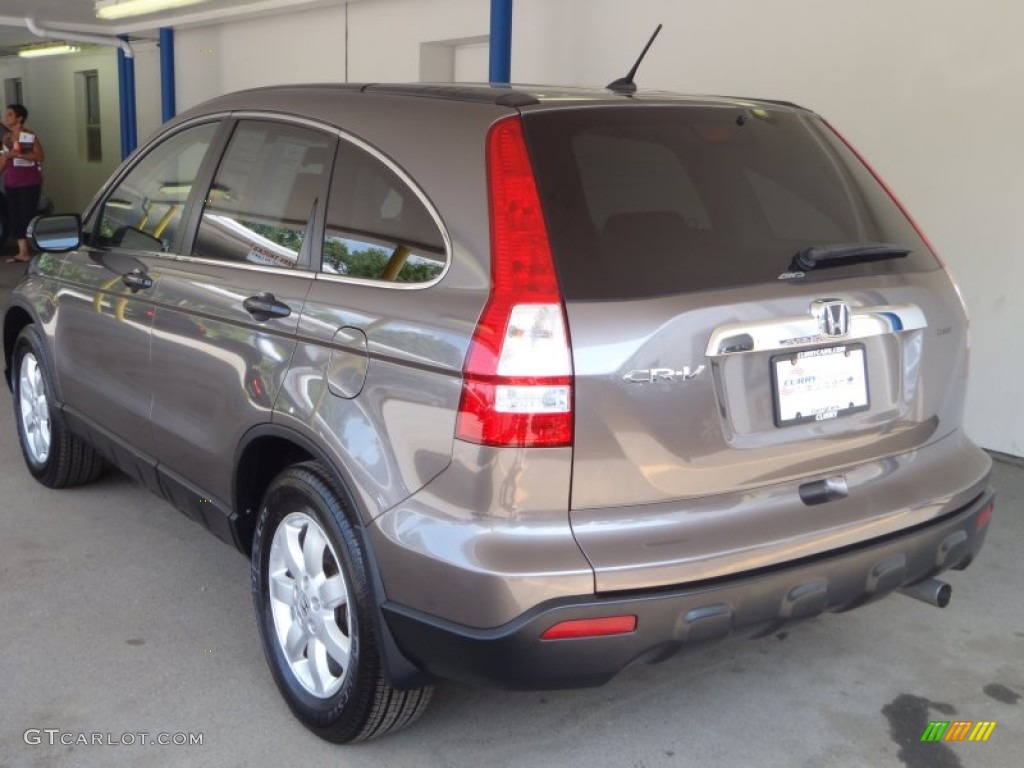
(626, 84)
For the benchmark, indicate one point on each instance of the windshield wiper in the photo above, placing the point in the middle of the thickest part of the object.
(839, 254)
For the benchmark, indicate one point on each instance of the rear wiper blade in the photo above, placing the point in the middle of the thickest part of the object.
(839, 254)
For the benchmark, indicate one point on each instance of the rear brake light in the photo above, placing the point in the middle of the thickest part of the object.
(517, 380)
(607, 625)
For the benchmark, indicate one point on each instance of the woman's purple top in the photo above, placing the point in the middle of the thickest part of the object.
(22, 173)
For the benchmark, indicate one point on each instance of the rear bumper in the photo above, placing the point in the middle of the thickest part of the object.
(668, 620)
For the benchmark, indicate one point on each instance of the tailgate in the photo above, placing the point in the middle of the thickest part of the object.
(683, 398)
(725, 386)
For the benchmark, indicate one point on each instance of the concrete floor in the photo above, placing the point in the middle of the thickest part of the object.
(119, 616)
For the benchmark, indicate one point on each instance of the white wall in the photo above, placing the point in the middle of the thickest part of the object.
(384, 40)
(295, 47)
(472, 62)
(385, 36)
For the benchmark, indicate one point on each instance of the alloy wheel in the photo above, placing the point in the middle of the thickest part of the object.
(34, 409)
(309, 600)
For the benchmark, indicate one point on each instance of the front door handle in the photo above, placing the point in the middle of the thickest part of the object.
(137, 280)
(264, 306)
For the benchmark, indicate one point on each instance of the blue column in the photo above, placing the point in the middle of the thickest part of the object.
(501, 41)
(126, 83)
(122, 103)
(167, 73)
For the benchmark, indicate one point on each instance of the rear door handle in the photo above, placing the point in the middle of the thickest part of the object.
(264, 306)
(137, 280)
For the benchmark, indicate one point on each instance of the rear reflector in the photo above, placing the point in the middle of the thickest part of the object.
(607, 625)
(985, 515)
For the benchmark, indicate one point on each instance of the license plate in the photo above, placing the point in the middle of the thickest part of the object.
(819, 384)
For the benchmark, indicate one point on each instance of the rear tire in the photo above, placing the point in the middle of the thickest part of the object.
(315, 612)
(55, 457)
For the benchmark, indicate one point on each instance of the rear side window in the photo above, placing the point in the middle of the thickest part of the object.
(647, 201)
(377, 228)
(143, 212)
(260, 206)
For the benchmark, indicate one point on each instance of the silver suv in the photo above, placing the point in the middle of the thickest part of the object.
(515, 386)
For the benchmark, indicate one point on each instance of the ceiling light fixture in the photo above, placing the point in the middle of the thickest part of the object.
(120, 9)
(47, 49)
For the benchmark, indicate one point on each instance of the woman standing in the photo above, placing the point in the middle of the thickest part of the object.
(21, 158)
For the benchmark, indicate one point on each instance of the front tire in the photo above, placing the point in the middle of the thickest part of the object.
(315, 612)
(55, 457)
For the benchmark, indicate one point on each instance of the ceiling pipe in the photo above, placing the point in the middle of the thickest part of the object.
(79, 37)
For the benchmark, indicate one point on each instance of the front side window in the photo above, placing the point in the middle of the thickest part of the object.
(143, 212)
(377, 228)
(263, 197)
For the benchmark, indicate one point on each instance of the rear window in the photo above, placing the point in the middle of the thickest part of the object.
(648, 201)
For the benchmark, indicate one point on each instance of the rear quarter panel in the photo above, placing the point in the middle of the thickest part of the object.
(395, 434)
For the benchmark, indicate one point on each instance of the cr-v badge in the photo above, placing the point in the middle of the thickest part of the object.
(647, 375)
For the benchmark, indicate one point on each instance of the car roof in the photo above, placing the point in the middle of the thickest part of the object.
(516, 96)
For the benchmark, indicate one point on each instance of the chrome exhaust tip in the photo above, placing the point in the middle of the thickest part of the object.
(931, 591)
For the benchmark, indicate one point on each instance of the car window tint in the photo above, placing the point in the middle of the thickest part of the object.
(260, 204)
(791, 216)
(657, 200)
(628, 175)
(377, 228)
(143, 212)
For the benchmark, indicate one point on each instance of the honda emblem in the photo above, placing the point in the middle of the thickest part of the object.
(833, 316)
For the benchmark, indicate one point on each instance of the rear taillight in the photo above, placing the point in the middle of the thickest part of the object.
(517, 380)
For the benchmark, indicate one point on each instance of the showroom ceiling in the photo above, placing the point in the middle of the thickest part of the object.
(80, 16)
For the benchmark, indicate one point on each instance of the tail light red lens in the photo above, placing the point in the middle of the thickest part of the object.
(517, 379)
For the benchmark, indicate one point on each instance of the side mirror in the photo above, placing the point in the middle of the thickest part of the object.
(56, 234)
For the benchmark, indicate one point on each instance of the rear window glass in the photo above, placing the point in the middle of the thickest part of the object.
(377, 228)
(647, 201)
